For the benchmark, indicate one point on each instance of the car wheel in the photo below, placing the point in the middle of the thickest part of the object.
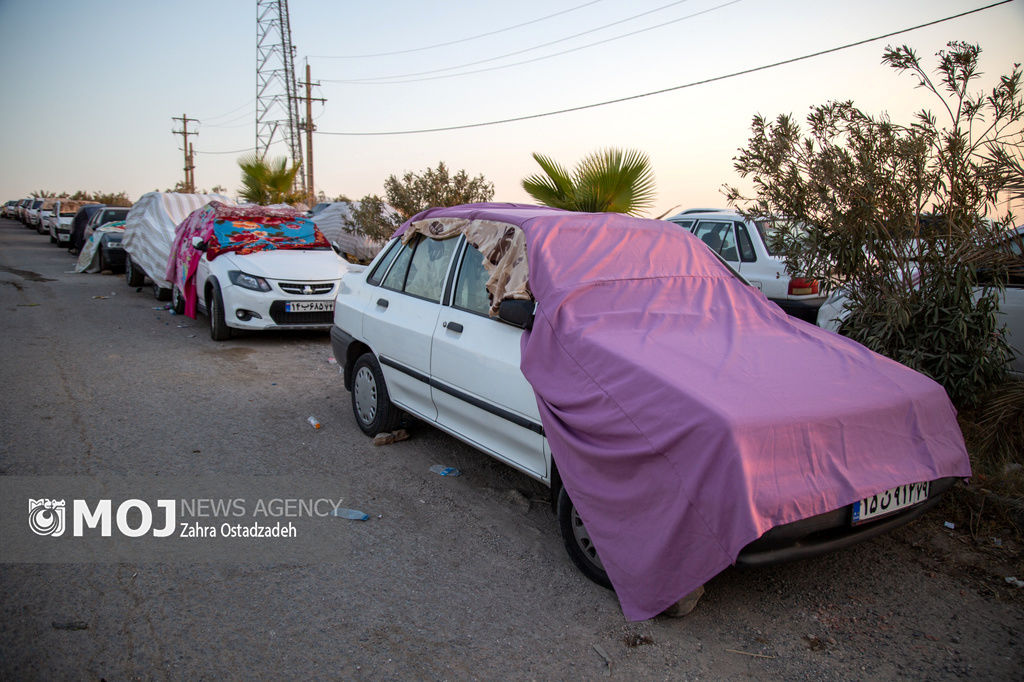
(577, 541)
(177, 300)
(53, 240)
(102, 260)
(219, 329)
(132, 274)
(371, 405)
(160, 293)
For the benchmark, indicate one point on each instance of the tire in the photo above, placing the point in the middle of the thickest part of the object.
(53, 240)
(219, 329)
(134, 276)
(371, 405)
(102, 260)
(160, 293)
(577, 542)
(177, 301)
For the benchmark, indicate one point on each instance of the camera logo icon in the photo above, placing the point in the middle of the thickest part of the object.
(46, 517)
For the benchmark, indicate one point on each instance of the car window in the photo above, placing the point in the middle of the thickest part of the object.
(719, 237)
(428, 267)
(747, 252)
(382, 266)
(396, 276)
(471, 290)
(684, 223)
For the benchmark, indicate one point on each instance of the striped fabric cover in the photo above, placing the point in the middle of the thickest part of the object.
(149, 228)
(331, 221)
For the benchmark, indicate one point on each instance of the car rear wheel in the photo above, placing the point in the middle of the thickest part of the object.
(577, 541)
(177, 300)
(219, 329)
(132, 274)
(371, 405)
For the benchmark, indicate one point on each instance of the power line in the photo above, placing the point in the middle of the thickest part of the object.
(535, 59)
(515, 52)
(676, 87)
(233, 151)
(212, 118)
(460, 40)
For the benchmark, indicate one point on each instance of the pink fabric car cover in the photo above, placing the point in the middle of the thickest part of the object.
(687, 414)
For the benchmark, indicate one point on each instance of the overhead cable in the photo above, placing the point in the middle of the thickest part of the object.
(460, 40)
(673, 88)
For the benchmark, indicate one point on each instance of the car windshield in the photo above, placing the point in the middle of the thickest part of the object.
(113, 214)
(68, 214)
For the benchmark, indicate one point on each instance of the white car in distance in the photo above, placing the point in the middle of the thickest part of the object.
(746, 246)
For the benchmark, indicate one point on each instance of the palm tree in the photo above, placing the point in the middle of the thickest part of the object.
(610, 180)
(268, 182)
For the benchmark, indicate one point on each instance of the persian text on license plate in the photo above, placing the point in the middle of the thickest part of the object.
(889, 501)
(309, 306)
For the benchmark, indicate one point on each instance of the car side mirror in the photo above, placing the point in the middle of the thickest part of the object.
(198, 244)
(517, 313)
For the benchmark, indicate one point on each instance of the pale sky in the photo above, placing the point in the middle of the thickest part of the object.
(90, 88)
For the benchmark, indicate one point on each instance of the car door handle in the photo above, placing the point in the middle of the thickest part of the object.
(382, 302)
(452, 327)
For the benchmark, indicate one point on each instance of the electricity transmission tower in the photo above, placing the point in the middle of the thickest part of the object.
(277, 101)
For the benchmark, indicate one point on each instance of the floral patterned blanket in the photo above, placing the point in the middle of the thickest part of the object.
(235, 229)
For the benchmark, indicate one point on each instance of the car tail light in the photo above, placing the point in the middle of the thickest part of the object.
(800, 286)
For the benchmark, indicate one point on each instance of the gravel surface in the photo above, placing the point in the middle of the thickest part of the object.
(458, 577)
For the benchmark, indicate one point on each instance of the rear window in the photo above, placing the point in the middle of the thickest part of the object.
(769, 233)
(113, 214)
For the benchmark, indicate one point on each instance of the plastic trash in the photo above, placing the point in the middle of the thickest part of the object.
(314, 422)
(1011, 580)
(353, 514)
(442, 470)
(950, 525)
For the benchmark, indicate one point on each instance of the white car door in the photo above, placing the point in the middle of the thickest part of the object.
(400, 318)
(477, 386)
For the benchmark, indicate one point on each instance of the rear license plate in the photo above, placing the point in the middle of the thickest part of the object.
(889, 501)
(309, 307)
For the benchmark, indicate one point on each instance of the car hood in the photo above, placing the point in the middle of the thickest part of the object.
(290, 264)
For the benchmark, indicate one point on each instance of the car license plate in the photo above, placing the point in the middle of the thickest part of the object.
(889, 501)
(309, 307)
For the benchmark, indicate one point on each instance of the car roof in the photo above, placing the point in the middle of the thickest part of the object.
(694, 213)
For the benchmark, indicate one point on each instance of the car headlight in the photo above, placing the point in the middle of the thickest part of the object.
(248, 281)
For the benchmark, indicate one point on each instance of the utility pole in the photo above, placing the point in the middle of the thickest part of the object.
(308, 125)
(192, 166)
(190, 178)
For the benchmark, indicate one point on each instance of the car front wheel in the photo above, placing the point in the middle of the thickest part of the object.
(577, 541)
(371, 405)
(219, 329)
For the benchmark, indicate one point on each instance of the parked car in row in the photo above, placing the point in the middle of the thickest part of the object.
(149, 236)
(30, 213)
(8, 208)
(254, 268)
(682, 422)
(746, 246)
(58, 223)
(834, 311)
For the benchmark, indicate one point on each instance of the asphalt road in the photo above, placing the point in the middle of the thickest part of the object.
(452, 578)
